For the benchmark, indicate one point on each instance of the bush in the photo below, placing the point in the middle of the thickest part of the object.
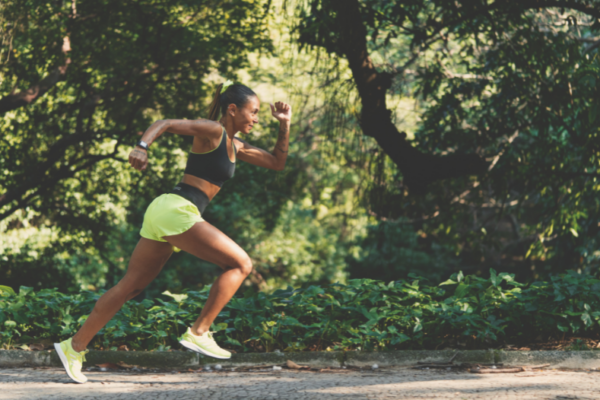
(365, 314)
(391, 251)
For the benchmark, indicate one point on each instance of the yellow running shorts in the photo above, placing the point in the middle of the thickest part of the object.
(168, 215)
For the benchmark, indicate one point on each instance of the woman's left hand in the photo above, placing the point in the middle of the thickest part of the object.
(281, 111)
(138, 158)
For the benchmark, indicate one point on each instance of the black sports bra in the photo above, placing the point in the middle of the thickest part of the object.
(213, 166)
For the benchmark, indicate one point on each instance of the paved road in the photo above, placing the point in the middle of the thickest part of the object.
(388, 383)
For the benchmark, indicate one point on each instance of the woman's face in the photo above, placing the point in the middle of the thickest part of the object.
(245, 117)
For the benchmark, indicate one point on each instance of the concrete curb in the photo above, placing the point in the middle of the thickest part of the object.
(174, 360)
(181, 360)
(411, 357)
(585, 359)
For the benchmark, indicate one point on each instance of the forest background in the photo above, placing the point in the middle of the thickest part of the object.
(488, 156)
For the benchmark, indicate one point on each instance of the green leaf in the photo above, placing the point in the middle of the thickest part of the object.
(575, 326)
(574, 232)
(448, 282)
(10, 324)
(7, 290)
(418, 326)
(587, 320)
(25, 290)
(249, 293)
(493, 277)
(399, 339)
(233, 342)
(177, 297)
(461, 290)
(220, 326)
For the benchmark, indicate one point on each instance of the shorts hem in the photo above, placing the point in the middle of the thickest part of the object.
(179, 232)
(152, 238)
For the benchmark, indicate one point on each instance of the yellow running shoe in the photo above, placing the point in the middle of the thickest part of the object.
(204, 344)
(72, 360)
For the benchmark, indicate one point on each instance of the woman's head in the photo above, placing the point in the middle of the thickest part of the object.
(237, 102)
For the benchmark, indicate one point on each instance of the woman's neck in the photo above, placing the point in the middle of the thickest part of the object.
(228, 125)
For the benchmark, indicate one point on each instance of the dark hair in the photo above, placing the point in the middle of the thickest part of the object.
(235, 94)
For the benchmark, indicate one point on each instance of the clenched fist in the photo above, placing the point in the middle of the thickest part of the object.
(138, 158)
(281, 111)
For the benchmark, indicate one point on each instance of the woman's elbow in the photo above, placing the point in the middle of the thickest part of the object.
(161, 122)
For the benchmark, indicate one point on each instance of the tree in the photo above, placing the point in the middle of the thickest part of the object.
(507, 93)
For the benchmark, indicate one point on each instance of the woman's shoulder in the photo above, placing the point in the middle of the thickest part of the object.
(203, 145)
(239, 143)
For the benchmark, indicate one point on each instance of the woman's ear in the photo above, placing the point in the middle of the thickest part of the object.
(232, 109)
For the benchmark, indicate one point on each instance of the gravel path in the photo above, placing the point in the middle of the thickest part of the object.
(388, 383)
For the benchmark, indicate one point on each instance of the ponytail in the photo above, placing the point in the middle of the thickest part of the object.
(233, 94)
(213, 111)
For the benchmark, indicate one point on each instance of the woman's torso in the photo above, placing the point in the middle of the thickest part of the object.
(210, 160)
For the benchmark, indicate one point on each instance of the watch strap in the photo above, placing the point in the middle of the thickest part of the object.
(143, 145)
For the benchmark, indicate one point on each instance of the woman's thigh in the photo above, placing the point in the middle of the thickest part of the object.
(205, 241)
(147, 260)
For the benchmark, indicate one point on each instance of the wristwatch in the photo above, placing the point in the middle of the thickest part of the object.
(143, 145)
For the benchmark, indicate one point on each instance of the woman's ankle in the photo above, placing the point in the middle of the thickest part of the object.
(77, 346)
(199, 331)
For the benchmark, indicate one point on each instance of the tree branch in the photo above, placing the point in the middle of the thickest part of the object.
(26, 97)
(510, 5)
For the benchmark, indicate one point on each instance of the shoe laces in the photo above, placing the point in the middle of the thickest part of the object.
(211, 338)
(80, 356)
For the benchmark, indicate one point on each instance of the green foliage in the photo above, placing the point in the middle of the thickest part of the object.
(365, 314)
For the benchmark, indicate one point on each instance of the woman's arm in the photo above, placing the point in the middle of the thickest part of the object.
(138, 158)
(276, 159)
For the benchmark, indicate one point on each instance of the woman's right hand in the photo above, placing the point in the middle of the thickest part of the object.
(138, 158)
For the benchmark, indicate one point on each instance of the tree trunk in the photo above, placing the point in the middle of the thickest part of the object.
(418, 168)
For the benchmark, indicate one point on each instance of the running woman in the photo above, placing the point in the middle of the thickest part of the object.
(175, 219)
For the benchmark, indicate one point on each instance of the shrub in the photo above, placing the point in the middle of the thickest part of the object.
(365, 314)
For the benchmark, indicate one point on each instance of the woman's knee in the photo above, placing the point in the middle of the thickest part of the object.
(129, 289)
(244, 264)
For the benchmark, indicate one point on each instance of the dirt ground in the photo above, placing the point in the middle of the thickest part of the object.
(382, 383)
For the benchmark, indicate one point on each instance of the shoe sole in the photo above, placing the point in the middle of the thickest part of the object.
(197, 349)
(63, 359)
